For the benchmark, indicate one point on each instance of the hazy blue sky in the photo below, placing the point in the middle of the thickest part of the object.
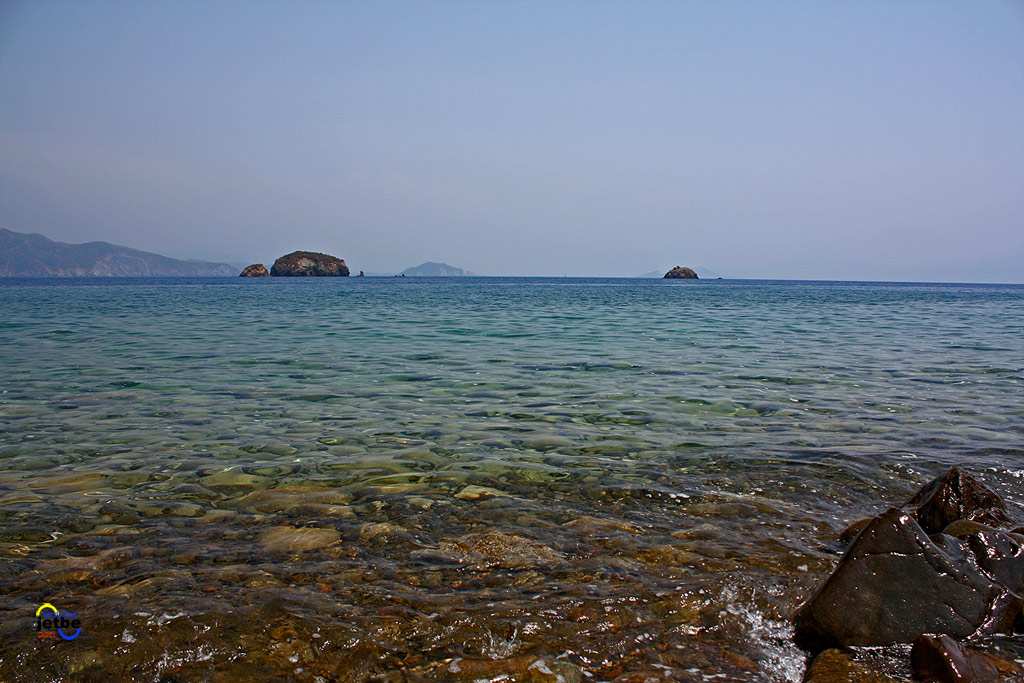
(827, 139)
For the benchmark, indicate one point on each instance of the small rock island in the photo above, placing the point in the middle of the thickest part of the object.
(681, 273)
(255, 270)
(300, 264)
(309, 264)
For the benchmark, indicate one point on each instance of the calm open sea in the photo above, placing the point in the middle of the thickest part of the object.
(379, 479)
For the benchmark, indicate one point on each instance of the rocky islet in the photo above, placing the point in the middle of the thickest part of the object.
(309, 264)
(255, 270)
(300, 264)
(681, 273)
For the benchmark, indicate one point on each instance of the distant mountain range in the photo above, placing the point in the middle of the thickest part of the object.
(33, 255)
(433, 269)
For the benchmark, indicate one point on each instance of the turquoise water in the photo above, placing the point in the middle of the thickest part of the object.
(463, 479)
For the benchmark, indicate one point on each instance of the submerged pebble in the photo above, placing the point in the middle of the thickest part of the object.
(292, 539)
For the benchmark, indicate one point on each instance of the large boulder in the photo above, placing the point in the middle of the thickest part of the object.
(255, 270)
(309, 264)
(894, 583)
(954, 496)
(681, 273)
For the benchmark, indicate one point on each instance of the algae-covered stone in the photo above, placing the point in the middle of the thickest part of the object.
(474, 492)
(233, 477)
(500, 549)
(292, 539)
(524, 669)
(287, 497)
(835, 666)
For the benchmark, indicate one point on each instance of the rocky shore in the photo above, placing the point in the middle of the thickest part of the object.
(939, 573)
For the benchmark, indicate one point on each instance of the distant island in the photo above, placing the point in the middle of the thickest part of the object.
(681, 273)
(707, 273)
(314, 264)
(34, 255)
(300, 264)
(433, 269)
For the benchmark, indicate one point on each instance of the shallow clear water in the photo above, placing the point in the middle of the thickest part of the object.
(455, 479)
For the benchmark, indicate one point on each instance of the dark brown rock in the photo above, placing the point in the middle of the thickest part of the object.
(953, 496)
(1001, 556)
(850, 532)
(894, 584)
(940, 659)
(835, 666)
(255, 270)
(309, 264)
(962, 528)
(680, 273)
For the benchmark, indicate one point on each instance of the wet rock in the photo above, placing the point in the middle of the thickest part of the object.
(309, 264)
(954, 496)
(499, 549)
(680, 273)
(81, 660)
(278, 449)
(291, 539)
(1001, 556)
(588, 525)
(288, 497)
(940, 659)
(25, 534)
(73, 577)
(669, 556)
(307, 511)
(894, 584)
(850, 532)
(161, 508)
(14, 498)
(384, 533)
(525, 669)
(232, 479)
(962, 528)
(474, 492)
(255, 270)
(835, 666)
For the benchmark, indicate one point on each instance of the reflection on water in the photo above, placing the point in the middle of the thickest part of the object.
(466, 479)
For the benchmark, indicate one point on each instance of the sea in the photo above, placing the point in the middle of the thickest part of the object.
(469, 479)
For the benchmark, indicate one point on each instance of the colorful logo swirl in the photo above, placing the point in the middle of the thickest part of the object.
(56, 614)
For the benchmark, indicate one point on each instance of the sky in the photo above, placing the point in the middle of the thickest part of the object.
(780, 139)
